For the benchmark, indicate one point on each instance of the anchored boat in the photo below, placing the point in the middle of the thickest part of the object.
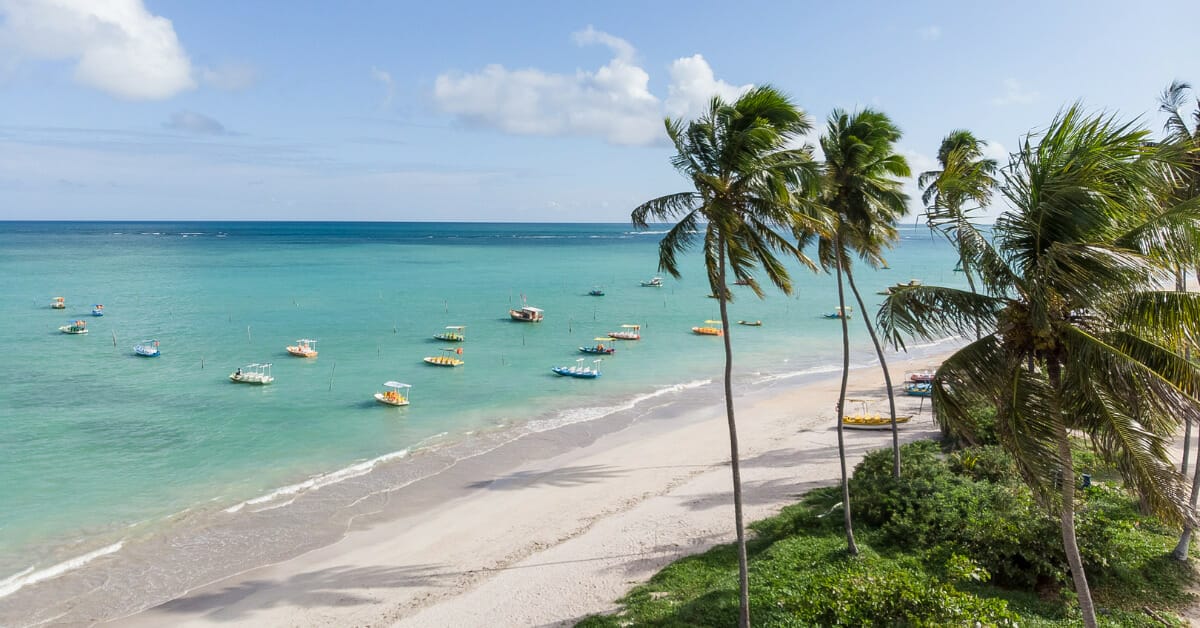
(709, 330)
(147, 349)
(453, 333)
(628, 332)
(258, 374)
(527, 314)
(579, 370)
(74, 327)
(596, 291)
(654, 282)
(304, 348)
(599, 347)
(58, 303)
(97, 310)
(395, 395)
(750, 323)
(840, 312)
(446, 358)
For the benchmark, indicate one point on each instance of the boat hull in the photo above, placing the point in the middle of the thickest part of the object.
(251, 379)
(873, 423)
(708, 331)
(450, 337)
(524, 317)
(621, 335)
(302, 353)
(594, 350)
(146, 354)
(74, 332)
(567, 371)
(390, 401)
(443, 361)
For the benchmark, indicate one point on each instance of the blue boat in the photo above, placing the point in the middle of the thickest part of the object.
(579, 370)
(918, 389)
(599, 348)
(97, 310)
(147, 349)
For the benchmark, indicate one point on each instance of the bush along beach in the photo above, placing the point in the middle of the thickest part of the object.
(957, 540)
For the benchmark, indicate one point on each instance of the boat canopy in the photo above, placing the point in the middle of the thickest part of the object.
(459, 327)
(532, 309)
(394, 384)
(632, 326)
(605, 339)
(713, 322)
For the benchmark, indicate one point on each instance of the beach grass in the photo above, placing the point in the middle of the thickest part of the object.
(959, 561)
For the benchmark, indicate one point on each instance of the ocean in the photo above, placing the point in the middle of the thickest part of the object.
(100, 448)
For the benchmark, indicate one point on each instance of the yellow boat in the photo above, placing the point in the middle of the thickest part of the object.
(873, 421)
(709, 330)
(446, 359)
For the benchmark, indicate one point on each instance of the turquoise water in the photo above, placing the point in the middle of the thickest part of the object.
(94, 440)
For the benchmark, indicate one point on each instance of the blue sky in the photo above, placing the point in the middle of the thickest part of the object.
(132, 109)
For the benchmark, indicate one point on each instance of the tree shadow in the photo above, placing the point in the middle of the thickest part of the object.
(326, 587)
(564, 477)
(758, 493)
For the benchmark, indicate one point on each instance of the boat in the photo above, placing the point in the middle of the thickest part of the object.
(918, 389)
(74, 327)
(453, 333)
(596, 291)
(628, 332)
(527, 314)
(654, 282)
(58, 303)
(873, 421)
(925, 376)
(838, 312)
(304, 348)
(599, 347)
(446, 358)
(258, 374)
(147, 349)
(579, 370)
(97, 310)
(750, 323)
(395, 395)
(708, 329)
(911, 283)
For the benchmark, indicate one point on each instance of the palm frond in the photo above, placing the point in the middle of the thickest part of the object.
(932, 313)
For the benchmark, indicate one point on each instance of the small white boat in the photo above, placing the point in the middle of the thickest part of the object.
(259, 374)
(628, 332)
(453, 333)
(58, 303)
(527, 314)
(304, 348)
(395, 395)
(654, 282)
(74, 327)
(147, 349)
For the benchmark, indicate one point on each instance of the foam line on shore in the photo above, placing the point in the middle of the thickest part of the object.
(14, 583)
(592, 413)
(322, 480)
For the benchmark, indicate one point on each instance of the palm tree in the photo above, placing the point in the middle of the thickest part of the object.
(1078, 335)
(736, 156)
(1186, 187)
(860, 191)
(966, 178)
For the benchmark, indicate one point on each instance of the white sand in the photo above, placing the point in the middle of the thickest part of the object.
(559, 538)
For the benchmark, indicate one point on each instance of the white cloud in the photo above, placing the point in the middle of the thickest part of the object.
(930, 33)
(193, 122)
(389, 88)
(693, 85)
(119, 47)
(230, 77)
(997, 151)
(1015, 94)
(613, 102)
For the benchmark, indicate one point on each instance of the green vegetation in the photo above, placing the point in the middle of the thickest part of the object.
(958, 539)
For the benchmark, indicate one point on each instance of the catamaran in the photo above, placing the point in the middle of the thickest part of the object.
(579, 370)
(74, 327)
(446, 358)
(453, 333)
(304, 348)
(709, 329)
(259, 374)
(628, 332)
(395, 395)
(147, 349)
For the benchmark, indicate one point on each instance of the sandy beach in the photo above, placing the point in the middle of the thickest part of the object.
(554, 538)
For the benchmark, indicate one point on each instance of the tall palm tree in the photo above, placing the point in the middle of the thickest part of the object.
(861, 192)
(736, 156)
(963, 185)
(1079, 336)
(1185, 187)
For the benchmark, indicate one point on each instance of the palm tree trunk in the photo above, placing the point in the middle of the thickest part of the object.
(1181, 286)
(1185, 539)
(1067, 517)
(734, 461)
(887, 376)
(851, 546)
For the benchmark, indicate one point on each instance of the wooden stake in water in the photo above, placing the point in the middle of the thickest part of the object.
(331, 374)
(201, 363)
(114, 333)
(248, 339)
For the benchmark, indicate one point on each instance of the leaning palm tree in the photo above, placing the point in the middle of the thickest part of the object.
(862, 191)
(963, 185)
(1078, 336)
(1185, 186)
(736, 156)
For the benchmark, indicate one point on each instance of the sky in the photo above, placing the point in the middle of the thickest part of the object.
(511, 111)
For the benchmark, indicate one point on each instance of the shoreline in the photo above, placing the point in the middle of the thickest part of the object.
(457, 535)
